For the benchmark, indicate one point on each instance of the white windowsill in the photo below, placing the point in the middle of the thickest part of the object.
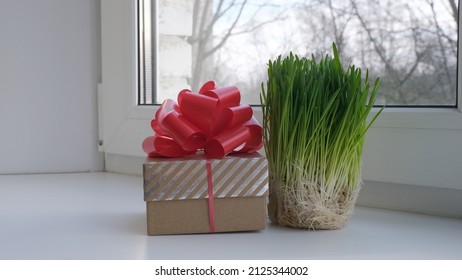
(102, 216)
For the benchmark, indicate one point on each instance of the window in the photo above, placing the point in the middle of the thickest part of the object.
(411, 45)
(416, 146)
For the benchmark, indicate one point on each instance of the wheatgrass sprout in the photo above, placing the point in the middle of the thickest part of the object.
(314, 122)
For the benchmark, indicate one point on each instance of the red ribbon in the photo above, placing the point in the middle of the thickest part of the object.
(212, 120)
(208, 166)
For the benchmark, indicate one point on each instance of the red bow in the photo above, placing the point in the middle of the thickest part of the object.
(212, 120)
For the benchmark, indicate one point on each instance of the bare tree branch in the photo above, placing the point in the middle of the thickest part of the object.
(455, 11)
(228, 33)
(394, 75)
(260, 25)
(441, 45)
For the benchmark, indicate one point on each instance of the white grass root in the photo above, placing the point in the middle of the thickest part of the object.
(306, 207)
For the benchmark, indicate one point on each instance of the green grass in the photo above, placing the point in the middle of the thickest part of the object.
(315, 121)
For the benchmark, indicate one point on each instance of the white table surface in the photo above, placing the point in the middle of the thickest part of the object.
(102, 216)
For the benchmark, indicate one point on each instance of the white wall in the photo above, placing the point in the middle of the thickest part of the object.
(50, 65)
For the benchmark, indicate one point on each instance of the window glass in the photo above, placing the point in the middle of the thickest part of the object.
(410, 44)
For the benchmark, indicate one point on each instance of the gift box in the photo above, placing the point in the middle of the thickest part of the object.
(203, 173)
(177, 194)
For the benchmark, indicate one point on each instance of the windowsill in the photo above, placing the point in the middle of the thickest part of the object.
(102, 216)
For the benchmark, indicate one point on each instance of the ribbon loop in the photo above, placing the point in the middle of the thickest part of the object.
(227, 96)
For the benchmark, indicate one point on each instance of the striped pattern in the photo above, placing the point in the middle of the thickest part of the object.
(233, 176)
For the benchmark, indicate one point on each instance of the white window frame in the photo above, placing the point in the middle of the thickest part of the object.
(406, 146)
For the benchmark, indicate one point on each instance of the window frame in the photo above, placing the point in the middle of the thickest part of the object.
(124, 124)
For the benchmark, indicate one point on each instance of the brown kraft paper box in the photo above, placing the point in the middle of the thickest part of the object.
(176, 194)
